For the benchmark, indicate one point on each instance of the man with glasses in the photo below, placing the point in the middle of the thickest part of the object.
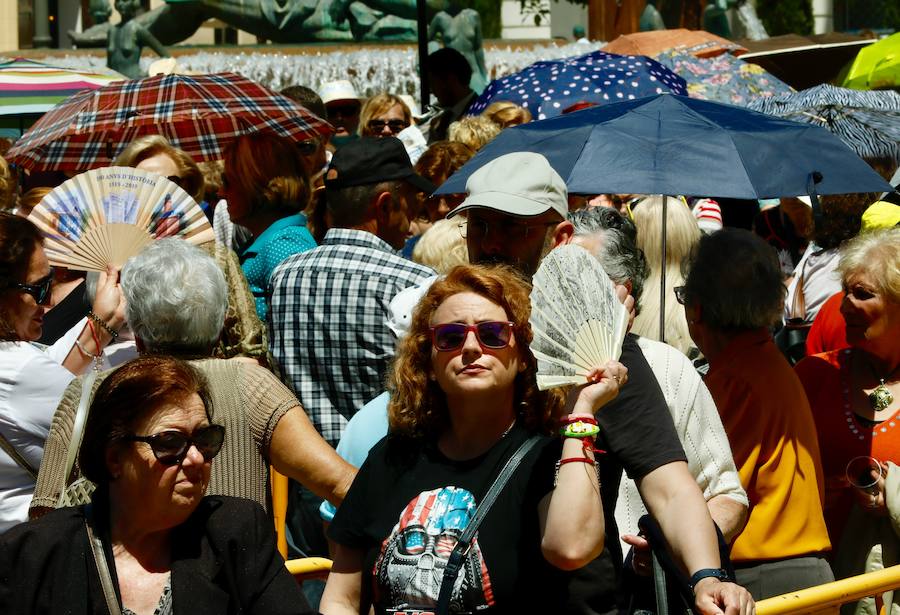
(516, 207)
(343, 105)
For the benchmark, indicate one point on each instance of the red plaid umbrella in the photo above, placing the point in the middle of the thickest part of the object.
(200, 114)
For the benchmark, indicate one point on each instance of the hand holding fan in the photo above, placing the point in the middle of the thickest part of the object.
(577, 320)
(106, 216)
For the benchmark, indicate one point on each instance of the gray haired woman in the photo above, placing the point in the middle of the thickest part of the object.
(176, 306)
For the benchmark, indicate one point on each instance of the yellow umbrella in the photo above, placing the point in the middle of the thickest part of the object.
(876, 66)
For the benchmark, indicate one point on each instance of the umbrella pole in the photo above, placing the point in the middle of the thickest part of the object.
(422, 31)
(662, 275)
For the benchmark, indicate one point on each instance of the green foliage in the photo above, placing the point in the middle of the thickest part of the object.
(540, 10)
(857, 15)
(490, 15)
(786, 16)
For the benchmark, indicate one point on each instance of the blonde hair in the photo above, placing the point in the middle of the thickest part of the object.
(475, 131)
(7, 186)
(149, 146)
(682, 235)
(442, 247)
(505, 114)
(30, 200)
(876, 253)
(269, 172)
(378, 104)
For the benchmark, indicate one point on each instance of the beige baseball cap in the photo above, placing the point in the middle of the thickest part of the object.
(520, 184)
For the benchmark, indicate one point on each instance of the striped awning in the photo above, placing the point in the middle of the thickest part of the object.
(30, 87)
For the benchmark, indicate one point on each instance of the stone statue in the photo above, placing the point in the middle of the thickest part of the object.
(460, 29)
(280, 21)
(126, 39)
(650, 18)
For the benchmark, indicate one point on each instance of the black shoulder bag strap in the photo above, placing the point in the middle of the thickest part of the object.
(454, 563)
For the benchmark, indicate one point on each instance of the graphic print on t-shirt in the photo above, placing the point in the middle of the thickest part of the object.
(410, 566)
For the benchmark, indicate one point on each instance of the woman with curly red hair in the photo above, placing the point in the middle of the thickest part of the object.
(463, 400)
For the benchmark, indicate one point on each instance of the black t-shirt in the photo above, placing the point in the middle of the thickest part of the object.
(407, 507)
(637, 433)
(385, 510)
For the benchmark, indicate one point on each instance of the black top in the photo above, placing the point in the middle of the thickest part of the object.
(406, 506)
(409, 504)
(224, 561)
(64, 315)
(637, 431)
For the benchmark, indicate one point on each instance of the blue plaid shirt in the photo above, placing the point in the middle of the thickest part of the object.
(327, 323)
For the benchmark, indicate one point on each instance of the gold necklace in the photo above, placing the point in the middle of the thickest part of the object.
(881, 397)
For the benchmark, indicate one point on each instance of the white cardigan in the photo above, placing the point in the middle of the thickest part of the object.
(699, 429)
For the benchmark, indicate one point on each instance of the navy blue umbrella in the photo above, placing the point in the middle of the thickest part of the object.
(548, 87)
(668, 144)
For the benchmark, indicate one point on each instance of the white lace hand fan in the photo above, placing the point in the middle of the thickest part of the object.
(577, 320)
(108, 215)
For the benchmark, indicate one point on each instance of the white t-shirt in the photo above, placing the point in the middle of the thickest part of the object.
(820, 280)
(699, 428)
(31, 385)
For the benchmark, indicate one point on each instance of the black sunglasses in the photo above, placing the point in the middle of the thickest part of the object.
(494, 334)
(680, 296)
(395, 125)
(40, 291)
(343, 110)
(171, 447)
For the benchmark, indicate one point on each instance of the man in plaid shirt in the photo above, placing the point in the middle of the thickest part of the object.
(330, 304)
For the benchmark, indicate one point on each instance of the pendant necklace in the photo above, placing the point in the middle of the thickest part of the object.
(881, 397)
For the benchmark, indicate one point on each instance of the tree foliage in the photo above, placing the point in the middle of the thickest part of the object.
(786, 16)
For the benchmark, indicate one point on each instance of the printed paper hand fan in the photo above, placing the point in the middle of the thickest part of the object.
(108, 215)
(577, 320)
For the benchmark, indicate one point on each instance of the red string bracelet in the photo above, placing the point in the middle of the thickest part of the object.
(566, 460)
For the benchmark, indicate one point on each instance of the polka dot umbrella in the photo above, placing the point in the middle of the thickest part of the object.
(549, 87)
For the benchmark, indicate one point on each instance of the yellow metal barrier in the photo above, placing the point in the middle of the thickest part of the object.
(279, 508)
(308, 568)
(828, 598)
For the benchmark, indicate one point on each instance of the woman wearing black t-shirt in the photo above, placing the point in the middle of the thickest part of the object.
(463, 398)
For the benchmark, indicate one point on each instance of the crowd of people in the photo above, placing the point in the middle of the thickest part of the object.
(370, 340)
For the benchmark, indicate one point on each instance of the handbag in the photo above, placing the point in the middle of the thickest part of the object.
(791, 338)
(455, 561)
(80, 490)
(109, 592)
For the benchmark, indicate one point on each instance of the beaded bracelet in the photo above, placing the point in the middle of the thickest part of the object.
(103, 323)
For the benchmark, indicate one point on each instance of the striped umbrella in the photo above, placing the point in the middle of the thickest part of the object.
(29, 87)
(868, 122)
(199, 114)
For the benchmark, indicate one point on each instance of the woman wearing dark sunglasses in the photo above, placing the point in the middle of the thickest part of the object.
(384, 115)
(148, 445)
(463, 399)
(33, 380)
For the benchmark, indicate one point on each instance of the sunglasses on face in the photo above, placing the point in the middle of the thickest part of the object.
(343, 110)
(171, 447)
(395, 126)
(308, 147)
(680, 297)
(40, 291)
(176, 180)
(493, 334)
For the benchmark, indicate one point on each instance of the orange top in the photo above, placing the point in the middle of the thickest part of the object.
(773, 439)
(842, 434)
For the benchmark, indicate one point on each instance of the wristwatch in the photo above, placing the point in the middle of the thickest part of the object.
(718, 573)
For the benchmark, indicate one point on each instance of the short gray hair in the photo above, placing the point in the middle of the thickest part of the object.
(736, 279)
(618, 253)
(176, 297)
